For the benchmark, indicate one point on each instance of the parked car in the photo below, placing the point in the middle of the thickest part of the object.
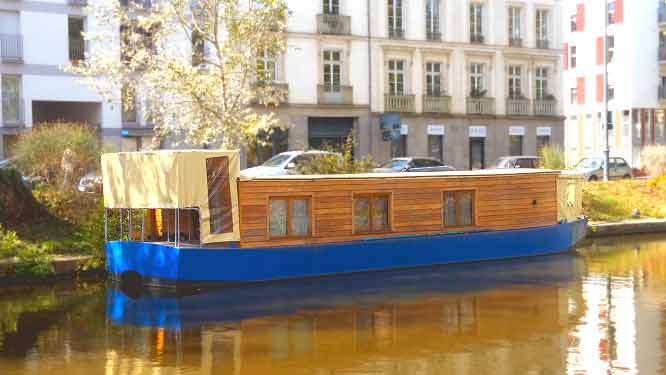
(28, 181)
(506, 162)
(284, 163)
(90, 183)
(413, 165)
(592, 169)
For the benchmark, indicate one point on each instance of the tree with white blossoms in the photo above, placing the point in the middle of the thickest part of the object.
(194, 61)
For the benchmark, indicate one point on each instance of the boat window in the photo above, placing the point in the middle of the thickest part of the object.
(219, 195)
(371, 213)
(458, 208)
(289, 217)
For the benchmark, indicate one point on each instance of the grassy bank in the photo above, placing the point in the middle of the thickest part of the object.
(616, 200)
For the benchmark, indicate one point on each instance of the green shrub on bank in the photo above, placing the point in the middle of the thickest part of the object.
(341, 163)
(552, 157)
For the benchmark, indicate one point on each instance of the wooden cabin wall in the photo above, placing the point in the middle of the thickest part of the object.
(502, 202)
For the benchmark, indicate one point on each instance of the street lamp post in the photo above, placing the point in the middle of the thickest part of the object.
(605, 116)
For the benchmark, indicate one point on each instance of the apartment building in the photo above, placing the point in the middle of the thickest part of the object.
(472, 80)
(636, 37)
(37, 39)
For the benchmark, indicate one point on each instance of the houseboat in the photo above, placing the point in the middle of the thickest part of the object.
(186, 218)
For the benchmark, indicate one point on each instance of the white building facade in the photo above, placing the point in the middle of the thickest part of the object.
(472, 80)
(636, 58)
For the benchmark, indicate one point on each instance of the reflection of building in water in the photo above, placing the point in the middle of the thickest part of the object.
(521, 328)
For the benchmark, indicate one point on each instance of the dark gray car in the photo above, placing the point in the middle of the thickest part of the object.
(413, 165)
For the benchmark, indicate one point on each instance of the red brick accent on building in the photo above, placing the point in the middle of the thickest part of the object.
(580, 90)
(600, 88)
(566, 56)
(580, 17)
(619, 11)
(600, 50)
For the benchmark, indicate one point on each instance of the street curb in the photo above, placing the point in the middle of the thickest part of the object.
(605, 229)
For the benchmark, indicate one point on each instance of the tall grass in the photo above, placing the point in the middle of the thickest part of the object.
(552, 157)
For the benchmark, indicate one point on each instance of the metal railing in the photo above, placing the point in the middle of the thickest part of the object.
(77, 49)
(545, 107)
(436, 104)
(480, 106)
(333, 24)
(12, 111)
(398, 103)
(11, 48)
(476, 38)
(80, 3)
(396, 33)
(542, 43)
(335, 94)
(519, 107)
(515, 42)
(434, 36)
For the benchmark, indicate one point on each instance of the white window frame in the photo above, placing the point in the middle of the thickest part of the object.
(476, 76)
(611, 12)
(514, 22)
(434, 76)
(329, 64)
(396, 77)
(14, 97)
(515, 81)
(610, 42)
(572, 57)
(432, 16)
(268, 64)
(573, 96)
(541, 82)
(476, 18)
(395, 23)
(331, 7)
(541, 24)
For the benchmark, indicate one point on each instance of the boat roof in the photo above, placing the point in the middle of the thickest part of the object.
(477, 173)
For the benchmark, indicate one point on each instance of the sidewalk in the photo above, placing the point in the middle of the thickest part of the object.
(642, 226)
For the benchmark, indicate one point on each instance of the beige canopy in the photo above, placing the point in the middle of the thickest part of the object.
(203, 179)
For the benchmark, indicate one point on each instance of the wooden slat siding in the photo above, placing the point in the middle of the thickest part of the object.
(502, 202)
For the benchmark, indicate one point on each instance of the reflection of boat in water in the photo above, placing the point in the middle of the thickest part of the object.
(178, 310)
(202, 225)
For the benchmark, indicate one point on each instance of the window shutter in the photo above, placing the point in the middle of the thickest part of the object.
(580, 17)
(600, 88)
(619, 11)
(566, 56)
(580, 92)
(600, 50)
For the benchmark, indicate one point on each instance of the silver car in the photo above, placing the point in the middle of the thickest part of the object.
(413, 165)
(592, 169)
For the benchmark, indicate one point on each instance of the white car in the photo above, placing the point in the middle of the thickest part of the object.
(283, 164)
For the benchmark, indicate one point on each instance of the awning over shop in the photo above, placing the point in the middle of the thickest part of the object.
(203, 179)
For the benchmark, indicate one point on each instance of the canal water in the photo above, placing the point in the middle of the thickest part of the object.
(602, 311)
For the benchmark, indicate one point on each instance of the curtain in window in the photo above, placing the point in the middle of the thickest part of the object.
(379, 214)
(361, 215)
(277, 225)
(449, 209)
(465, 208)
(299, 217)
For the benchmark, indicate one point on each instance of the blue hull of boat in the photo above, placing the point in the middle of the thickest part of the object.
(161, 264)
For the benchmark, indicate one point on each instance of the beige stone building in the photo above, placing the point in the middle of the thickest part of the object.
(472, 80)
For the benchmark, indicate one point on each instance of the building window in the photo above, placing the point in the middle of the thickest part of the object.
(266, 68)
(572, 56)
(458, 208)
(515, 91)
(476, 80)
(572, 21)
(128, 99)
(198, 48)
(514, 26)
(289, 217)
(432, 20)
(610, 40)
(515, 145)
(542, 141)
(396, 77)
(611, 92)
(399, 147)
(542, 27)
(331, 7)
(268, 143)
(476, 23)
(371, 213)
(219, 195)
(477, 153)
(395, 18)
(574, 95)
(611, 12)
(11, 99)
(541, 82)
(76, 42)
(433, 79)
(332, 71)
(436, 146)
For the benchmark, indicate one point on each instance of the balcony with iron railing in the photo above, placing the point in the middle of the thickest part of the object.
(78, 3)
(662, 53)
(11, 48)
(517, 106)
(12, 112)
(77, 49)
(436, 104)
(542, 43)
(476, 38)
(434, 36)
(141, 4)
(545, 107)
(480, 106)
(335, 94)
(662, 92)
(515, 42)
(396, 33)
(333, 24)
(399, 103)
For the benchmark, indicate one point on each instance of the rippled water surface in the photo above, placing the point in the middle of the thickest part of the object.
(602, 311)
